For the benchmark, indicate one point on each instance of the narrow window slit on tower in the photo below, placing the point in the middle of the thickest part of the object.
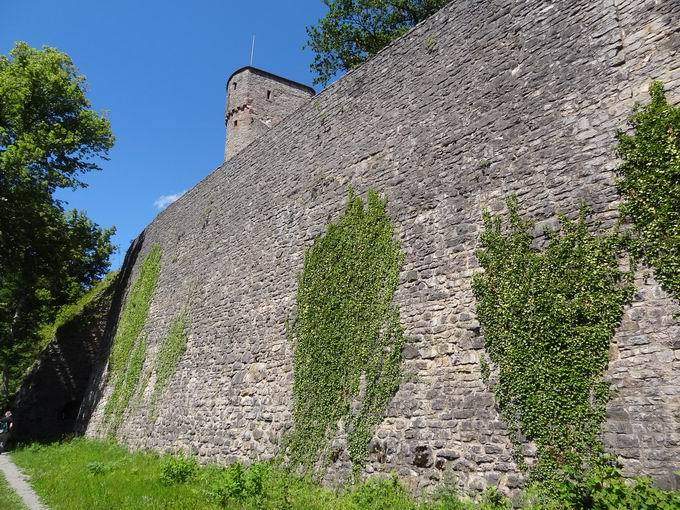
(234, 85)
(269, 94)
(235, 123)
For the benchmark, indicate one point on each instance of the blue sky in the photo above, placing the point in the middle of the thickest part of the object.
(159, 70)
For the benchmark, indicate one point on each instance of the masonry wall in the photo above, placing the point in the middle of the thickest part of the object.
(256, 102)
(536, 89)
(46, 406)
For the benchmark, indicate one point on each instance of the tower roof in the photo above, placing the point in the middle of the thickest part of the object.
(272, 76)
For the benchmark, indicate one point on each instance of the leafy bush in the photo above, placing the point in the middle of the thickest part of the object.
(602, 488)
(381, 494)
(236, 483)
(178, 469)
(650, 185)
(492, 499)
(102, 468)
(617, 493)
(96, 467)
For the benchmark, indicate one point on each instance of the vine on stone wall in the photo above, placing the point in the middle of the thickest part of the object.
(128, 350)
(348, 334)
(650, 185)
(73, 311)
(169, 354)
(548, 317)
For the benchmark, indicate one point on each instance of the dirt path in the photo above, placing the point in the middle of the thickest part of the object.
(17, 480)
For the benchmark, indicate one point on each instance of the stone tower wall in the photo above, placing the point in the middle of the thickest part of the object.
(256, 102)
(484, 99)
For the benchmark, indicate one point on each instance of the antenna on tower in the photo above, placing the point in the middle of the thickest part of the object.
(252, 51)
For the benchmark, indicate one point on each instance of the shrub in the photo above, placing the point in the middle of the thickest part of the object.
(102, 468)
(178, 469)
(606, 489)
(381, 494)
(492, 499)
(236, 483)
(96, 467)
(601, 488)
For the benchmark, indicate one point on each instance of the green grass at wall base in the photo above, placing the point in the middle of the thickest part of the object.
(85, 474)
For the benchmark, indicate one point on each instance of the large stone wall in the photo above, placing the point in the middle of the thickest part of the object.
(485, 99)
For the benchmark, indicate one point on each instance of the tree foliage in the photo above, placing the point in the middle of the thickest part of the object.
(650, 185)
(48, 256)
(352, 31)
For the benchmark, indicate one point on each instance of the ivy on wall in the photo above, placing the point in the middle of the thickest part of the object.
(548, 317)
(128, 350)
(650, 185)
(169, 353)
(73, 311)
(348, 334)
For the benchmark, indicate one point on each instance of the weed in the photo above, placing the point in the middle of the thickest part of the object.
(178, 469)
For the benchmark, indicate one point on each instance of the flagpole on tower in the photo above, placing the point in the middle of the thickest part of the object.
(252, 51)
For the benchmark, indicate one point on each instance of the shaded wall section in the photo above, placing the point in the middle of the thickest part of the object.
(46, 406)
(484, 99)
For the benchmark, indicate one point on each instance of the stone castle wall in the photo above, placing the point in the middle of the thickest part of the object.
(484, 99)
(47, 404)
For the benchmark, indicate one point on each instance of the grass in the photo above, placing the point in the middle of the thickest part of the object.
(90, 475)
(85, 474)
(9, 500)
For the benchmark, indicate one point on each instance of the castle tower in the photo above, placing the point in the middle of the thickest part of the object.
(256, 101)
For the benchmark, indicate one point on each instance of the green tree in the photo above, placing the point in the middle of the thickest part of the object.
(49, 137)
(352, 31)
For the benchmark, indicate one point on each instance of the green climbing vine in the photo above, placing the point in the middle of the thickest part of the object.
(548, 317)
(348, 334)
(169, 353)
(129, 348)
(650, 185)
(83, 307)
